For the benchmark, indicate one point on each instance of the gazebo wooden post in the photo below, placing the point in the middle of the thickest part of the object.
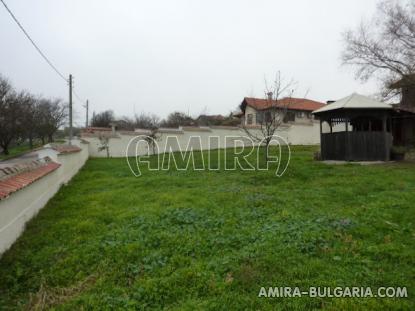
(321, 126)
(347, 155)
(321, 138)
(385, 136)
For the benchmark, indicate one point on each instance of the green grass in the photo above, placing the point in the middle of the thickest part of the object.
(17, 151)
(192, 240)
(20, 149)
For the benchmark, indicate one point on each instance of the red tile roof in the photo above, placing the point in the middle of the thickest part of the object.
(66, 148)
(93, 129)
(289, 103)
(16, 182)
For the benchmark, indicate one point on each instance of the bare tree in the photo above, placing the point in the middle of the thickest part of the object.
(147, 121)
(150, 122)
(176, 119)
(103, 119)
(104, 141)
(25, 117)
(10, 115)
(52, 115)
(269, 119)
(126, 124)
(385, 46)
(30, 116)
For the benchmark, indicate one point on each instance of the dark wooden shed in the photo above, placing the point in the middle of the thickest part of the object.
(355, 128)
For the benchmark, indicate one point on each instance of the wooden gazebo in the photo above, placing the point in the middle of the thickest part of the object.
(355, 128)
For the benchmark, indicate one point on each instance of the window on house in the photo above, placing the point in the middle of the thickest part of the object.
(289, 117)
(300, 114)
(259, 117)
(249, 119)
(269, 115)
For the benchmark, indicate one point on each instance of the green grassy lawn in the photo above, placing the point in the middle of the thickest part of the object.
(16, 151)
(209, 240)
(20, 149)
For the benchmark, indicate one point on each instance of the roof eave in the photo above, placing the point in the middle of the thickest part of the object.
(354, 108)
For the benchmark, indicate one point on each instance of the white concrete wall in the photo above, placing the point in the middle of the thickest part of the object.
(298, 134)
(22, 205)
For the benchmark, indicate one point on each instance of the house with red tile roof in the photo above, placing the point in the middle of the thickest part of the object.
(297, 110)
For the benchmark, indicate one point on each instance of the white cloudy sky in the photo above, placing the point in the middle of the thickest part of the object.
(188, 55)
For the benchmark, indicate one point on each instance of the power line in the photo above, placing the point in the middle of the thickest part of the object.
(82, 101)
(78, 97)
(41, 53)
(33, 43)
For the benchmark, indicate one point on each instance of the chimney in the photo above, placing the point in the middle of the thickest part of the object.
(269, 94)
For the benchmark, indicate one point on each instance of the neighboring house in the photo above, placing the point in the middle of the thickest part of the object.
(298, 110)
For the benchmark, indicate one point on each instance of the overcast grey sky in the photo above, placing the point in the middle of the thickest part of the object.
(186, 55)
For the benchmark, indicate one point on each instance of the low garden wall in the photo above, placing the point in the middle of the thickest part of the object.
(298, 134)
(25, 193)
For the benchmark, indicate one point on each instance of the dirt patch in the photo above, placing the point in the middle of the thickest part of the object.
(47, 297)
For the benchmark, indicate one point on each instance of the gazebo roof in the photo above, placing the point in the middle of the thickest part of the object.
(354, 101)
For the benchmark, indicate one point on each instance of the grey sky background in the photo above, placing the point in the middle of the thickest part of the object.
(191, 56)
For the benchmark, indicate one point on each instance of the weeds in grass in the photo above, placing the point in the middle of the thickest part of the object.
(47, 297)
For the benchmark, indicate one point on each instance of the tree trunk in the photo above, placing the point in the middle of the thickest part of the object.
(5, 150)
(43, 140)
(266, 150)
(30, 142)
(50, 138)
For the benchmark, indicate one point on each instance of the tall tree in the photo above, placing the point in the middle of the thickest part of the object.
(10, 115)
(30, 116)
(384, 47)
(176, 119)
(57, 116)
(51, 114)
(147, 121)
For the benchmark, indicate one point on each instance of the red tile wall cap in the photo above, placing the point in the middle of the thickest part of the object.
(14, 183)
(66, 148)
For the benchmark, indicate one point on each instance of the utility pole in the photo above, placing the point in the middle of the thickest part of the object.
(87, 107)
(70, 109)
